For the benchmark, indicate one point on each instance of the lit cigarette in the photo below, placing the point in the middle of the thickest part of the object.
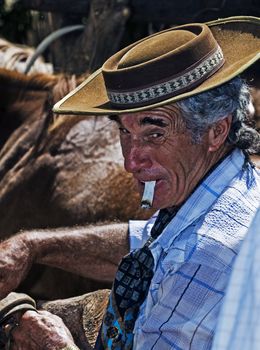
(148, 194)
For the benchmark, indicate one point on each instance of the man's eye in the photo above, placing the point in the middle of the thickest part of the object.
(155, 135)
(123, 131)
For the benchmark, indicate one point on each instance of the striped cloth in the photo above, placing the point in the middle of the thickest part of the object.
(239, 322)
(129, 290)
(194, 257)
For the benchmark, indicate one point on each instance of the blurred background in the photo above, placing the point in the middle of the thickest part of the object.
(95, 29)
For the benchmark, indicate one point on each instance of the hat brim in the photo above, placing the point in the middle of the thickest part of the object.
(239, 39)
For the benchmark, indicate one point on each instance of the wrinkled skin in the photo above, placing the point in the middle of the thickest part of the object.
(43, 330)
(14, 266)
(157, 147)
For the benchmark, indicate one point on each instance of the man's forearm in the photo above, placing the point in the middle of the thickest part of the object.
(91, 251)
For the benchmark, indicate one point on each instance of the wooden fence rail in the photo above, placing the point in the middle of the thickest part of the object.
(164, 11)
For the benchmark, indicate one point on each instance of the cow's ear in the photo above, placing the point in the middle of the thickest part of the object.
(218, 133)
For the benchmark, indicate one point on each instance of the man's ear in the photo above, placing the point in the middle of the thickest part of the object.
(218, 133)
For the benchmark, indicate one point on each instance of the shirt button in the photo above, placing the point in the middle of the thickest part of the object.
(112, 332)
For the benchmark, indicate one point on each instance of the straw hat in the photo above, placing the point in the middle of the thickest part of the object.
(168, 66)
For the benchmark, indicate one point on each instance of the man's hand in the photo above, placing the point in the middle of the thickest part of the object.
(15, 262)
(41, 331)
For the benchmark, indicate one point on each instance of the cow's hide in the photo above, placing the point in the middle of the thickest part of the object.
(57, 171)
(82, 315)
(17, 57)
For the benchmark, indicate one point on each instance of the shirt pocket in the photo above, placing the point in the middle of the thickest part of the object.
(187, 306)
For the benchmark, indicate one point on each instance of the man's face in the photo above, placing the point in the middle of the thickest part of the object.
(157, 146)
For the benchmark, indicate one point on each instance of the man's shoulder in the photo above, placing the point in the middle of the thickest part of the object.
(240, 197)
(237, 179)
(244, 186)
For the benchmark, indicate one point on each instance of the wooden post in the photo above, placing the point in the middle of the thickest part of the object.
(64, 6)
(162, 11)
(82, 52)
(104, 29)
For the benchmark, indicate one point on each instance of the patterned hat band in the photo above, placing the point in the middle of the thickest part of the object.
(185, 81)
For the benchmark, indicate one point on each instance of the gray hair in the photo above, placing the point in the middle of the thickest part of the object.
(232, 98)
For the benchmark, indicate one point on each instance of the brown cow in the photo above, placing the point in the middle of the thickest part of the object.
(16, 57)
(57, 173)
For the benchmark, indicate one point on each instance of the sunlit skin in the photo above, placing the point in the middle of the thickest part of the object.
(157, 146)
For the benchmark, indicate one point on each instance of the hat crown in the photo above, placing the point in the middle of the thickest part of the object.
(155, 47)
(162, 65)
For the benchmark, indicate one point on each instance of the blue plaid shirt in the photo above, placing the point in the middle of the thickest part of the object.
(194, 257)
(239, 320)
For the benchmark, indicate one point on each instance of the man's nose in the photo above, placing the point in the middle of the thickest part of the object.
(137, 158)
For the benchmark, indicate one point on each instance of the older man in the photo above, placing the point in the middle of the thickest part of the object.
(182, 113)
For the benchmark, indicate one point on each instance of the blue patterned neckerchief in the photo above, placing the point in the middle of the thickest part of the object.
(129, 290)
